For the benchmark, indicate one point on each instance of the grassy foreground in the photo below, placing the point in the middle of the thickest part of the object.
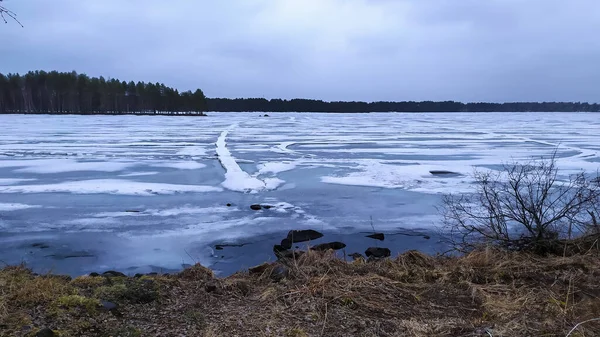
(486, 293)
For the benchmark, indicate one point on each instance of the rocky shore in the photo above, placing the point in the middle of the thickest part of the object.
(316, 293)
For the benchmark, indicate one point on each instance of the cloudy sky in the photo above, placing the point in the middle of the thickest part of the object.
(468, 50)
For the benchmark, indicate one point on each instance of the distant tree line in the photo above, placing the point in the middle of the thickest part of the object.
(71, 93)
(307, 105)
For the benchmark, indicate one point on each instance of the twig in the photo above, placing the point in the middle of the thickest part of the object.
(325, 321)
(578, 324)
(188, 254)
(10, 14)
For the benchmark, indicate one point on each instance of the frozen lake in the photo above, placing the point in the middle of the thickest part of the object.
(69, 184)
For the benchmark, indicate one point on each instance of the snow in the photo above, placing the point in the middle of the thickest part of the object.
(275, 167)
(109, 186)
(194, 151)
(184, 165)
(45, 166)
(15, 207)
(138, 174)
(235, 178)
(12, 181)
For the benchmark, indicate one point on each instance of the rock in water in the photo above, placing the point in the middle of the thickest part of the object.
(377, 236)
(286, 244)
(330, 245)
(258, 269)
(112, 273)
(278, 249)
(290, 254)
(378, 252)
(45, 333)
(303, 235)
(443, 173)
(255, 207)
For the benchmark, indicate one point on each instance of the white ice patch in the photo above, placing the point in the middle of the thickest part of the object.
(275, 167)
(45, 166)
(194, 151)
(138, 174)
(15, 207)
(109, 186)
(184, 210)
(236, 179)
(183, 165)
(411, 177)
(10, 181)
(187, 210)
(273, 183)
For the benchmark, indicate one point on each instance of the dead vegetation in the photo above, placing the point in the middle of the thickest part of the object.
(485, 293)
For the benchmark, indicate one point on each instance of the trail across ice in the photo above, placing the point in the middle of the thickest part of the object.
(236, 179)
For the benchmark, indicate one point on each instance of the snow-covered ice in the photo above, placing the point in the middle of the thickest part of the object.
(109, 186)
(150, 190)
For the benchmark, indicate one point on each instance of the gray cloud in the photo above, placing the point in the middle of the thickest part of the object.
(470, 50)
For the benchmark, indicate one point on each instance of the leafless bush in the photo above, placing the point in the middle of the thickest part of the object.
(522, 207)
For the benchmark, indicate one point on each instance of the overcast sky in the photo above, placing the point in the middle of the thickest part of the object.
(468, 50)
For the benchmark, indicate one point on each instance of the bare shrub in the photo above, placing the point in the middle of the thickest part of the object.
(525, 206)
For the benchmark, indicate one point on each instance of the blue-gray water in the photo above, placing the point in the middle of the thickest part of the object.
(66, 182)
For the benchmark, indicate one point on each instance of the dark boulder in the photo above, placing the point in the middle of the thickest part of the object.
(228, 205)
(303, 235)
(211, 287)
(45, 333)
(378, 252)
(277, 249)
(132, 211)
(219, 247)
(329, 245)
(108, 306)
(443, 173)
(290, 254)
(266, 206)
(279, 273)
(255, 207)
(377, 236)
(286, 244)
(112, 273)
(258, 269)
(266, 115)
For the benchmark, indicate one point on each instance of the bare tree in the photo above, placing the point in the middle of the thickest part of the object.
(522, 207)
(6, 14)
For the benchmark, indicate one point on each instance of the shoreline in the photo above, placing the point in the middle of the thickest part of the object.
(317, 294)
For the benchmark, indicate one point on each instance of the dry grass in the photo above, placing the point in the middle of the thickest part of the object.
(486, 293)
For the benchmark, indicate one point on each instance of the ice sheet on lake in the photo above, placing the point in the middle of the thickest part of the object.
(109, 186)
